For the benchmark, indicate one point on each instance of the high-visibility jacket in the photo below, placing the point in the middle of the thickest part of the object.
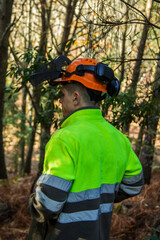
(88, 166)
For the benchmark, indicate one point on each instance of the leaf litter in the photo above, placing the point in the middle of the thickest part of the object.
(132, 219)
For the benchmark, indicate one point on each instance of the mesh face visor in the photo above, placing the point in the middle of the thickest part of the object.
(50, 71)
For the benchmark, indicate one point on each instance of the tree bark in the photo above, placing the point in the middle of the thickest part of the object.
(45, 136)
(147, 152)
(36, 99)
(124, 46)
(23, 127)
(27, 161)
(140, 139)
(45, 126)
(5, 24)
(45, 19)
(70, 10)
(30, 149)
(136, 71)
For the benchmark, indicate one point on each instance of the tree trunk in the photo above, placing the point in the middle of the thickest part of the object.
(36, 99)
(124, 45)
(137, 67)
(5, 24)
(140, 139)
(27, 167)
(136, 71)
(45, 127)
(147, 152)
(30, 149)
(45, 18)
(45, 136)
(70, 10)
(23, 127)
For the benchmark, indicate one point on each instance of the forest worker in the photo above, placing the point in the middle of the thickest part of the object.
(88, 165)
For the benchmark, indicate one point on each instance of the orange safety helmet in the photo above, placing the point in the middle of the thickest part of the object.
(88, 79)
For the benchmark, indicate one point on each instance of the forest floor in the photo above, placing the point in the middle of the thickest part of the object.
(132, 219)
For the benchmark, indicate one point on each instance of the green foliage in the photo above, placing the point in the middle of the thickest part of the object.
(24, 65)
(125, 107)
(16, 119)
(27, 63)
(156, 232)
(153, 237)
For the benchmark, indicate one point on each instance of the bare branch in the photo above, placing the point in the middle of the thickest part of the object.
(76, 24)
(15, 56)
(55, 43)
(70, 11)
(32, 100)
(7, 29)
(62, 3)
(20, 15)
(137, 10)
(129, 60)
(118, 23)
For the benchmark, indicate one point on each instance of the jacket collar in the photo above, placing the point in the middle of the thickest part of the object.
(82, 108)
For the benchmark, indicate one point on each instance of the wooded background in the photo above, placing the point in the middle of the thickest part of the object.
(123, 34)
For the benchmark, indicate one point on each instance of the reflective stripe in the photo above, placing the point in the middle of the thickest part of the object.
(106, 207)
(55, 181)
(53, 193)
(48, 203)
(133, 179)
(91, 193)
(91, 215)
(131, 190)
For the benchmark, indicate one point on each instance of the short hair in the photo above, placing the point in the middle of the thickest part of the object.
(89, 96)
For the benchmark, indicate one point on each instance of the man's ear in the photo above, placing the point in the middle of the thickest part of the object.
(76, 98)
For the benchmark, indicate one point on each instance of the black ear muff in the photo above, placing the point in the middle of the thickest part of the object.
(113, 87)
(103, 72)
(106, 75)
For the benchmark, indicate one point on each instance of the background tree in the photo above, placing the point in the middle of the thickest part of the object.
(5, 29)
(136, 70)
(153, 114)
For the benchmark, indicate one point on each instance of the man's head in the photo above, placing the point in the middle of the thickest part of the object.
(80, 88)
(84, 81)
(74, 96)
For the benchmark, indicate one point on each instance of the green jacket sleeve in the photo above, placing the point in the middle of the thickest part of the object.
(132, 181)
